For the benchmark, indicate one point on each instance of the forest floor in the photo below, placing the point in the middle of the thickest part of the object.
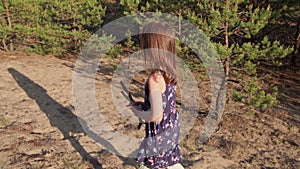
(39, 127)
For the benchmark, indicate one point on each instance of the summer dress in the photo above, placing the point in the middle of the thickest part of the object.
(160, 148)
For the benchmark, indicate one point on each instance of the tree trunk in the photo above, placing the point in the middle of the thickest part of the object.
(9, 24)
(296, 52)
(228, 59)
(4, 45)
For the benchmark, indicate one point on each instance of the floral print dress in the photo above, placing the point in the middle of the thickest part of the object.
(160, 148)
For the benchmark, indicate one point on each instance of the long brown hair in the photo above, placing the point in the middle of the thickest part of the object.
(158, 40)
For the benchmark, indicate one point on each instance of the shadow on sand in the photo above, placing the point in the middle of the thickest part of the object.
(59, 116)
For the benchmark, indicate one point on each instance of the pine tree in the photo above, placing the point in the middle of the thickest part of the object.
(233, 26)
(48, 26)
(286, 17)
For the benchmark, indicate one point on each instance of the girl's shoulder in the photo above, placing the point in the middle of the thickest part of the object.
(156, 81)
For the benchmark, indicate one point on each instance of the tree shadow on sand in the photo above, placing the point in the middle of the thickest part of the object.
(59, 116)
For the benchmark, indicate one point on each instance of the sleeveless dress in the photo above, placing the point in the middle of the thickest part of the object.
(160, 148)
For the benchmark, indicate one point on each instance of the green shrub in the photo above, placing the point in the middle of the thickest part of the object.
(49, 26)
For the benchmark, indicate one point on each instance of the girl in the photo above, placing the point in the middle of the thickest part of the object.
(160, 148)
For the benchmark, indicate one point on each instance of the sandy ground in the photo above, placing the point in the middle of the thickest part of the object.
(39, 127)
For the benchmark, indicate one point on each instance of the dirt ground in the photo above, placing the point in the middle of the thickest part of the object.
(39, 127)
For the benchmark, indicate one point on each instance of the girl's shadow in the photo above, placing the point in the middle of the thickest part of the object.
(59, 116)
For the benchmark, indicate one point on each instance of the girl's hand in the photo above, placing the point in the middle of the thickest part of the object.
(136, 107)
(136, 110)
